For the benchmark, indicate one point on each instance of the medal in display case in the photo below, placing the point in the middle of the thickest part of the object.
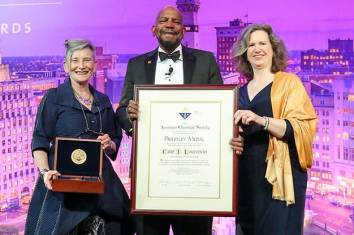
(79, 162)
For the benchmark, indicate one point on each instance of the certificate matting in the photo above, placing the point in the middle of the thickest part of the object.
(182, 160)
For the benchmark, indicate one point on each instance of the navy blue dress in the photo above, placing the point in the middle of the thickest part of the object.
(258, 213)
(60, 114)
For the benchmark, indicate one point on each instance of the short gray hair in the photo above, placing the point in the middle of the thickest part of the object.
(75, 45)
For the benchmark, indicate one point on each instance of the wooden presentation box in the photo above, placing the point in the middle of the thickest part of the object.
(79, 161)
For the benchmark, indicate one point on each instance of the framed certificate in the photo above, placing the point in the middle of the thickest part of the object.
(182, 160)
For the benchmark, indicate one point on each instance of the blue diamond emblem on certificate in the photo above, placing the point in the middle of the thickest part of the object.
(185, 115)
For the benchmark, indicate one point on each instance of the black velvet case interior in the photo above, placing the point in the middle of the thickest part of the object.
(91, 167)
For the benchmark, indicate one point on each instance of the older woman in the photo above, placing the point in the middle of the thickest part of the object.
(76, 109)
(279, 123)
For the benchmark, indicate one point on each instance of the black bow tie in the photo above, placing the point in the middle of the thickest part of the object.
(174, 56)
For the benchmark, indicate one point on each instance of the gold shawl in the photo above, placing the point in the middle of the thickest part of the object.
(289, 101)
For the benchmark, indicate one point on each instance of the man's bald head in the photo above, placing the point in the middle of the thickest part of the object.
(169, 8)
(168, 28)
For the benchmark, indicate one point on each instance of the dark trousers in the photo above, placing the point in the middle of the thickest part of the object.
(104, 225)
(181, 225)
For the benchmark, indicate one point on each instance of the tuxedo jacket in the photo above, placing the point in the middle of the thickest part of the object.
(199, 67)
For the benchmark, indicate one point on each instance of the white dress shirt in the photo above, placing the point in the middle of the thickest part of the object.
(163, 75)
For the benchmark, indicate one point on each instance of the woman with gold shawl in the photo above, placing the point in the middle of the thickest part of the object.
(278, 123)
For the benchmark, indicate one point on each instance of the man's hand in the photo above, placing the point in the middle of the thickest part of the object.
(237, 143)
(132, 110)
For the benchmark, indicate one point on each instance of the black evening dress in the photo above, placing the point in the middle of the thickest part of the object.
(258, 212)
(60, 114)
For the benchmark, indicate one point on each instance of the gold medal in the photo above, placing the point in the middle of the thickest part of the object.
(78, 156)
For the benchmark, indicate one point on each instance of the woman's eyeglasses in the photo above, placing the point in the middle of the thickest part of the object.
(88, 131)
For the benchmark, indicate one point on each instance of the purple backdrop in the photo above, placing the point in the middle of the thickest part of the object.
(32, 33)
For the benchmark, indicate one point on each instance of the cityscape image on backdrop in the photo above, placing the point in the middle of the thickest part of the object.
(318, 34)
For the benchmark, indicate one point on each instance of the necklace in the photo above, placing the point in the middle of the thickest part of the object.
(88, 130)
(87, 101)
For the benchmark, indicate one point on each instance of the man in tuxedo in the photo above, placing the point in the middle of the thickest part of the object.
(170, 63)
